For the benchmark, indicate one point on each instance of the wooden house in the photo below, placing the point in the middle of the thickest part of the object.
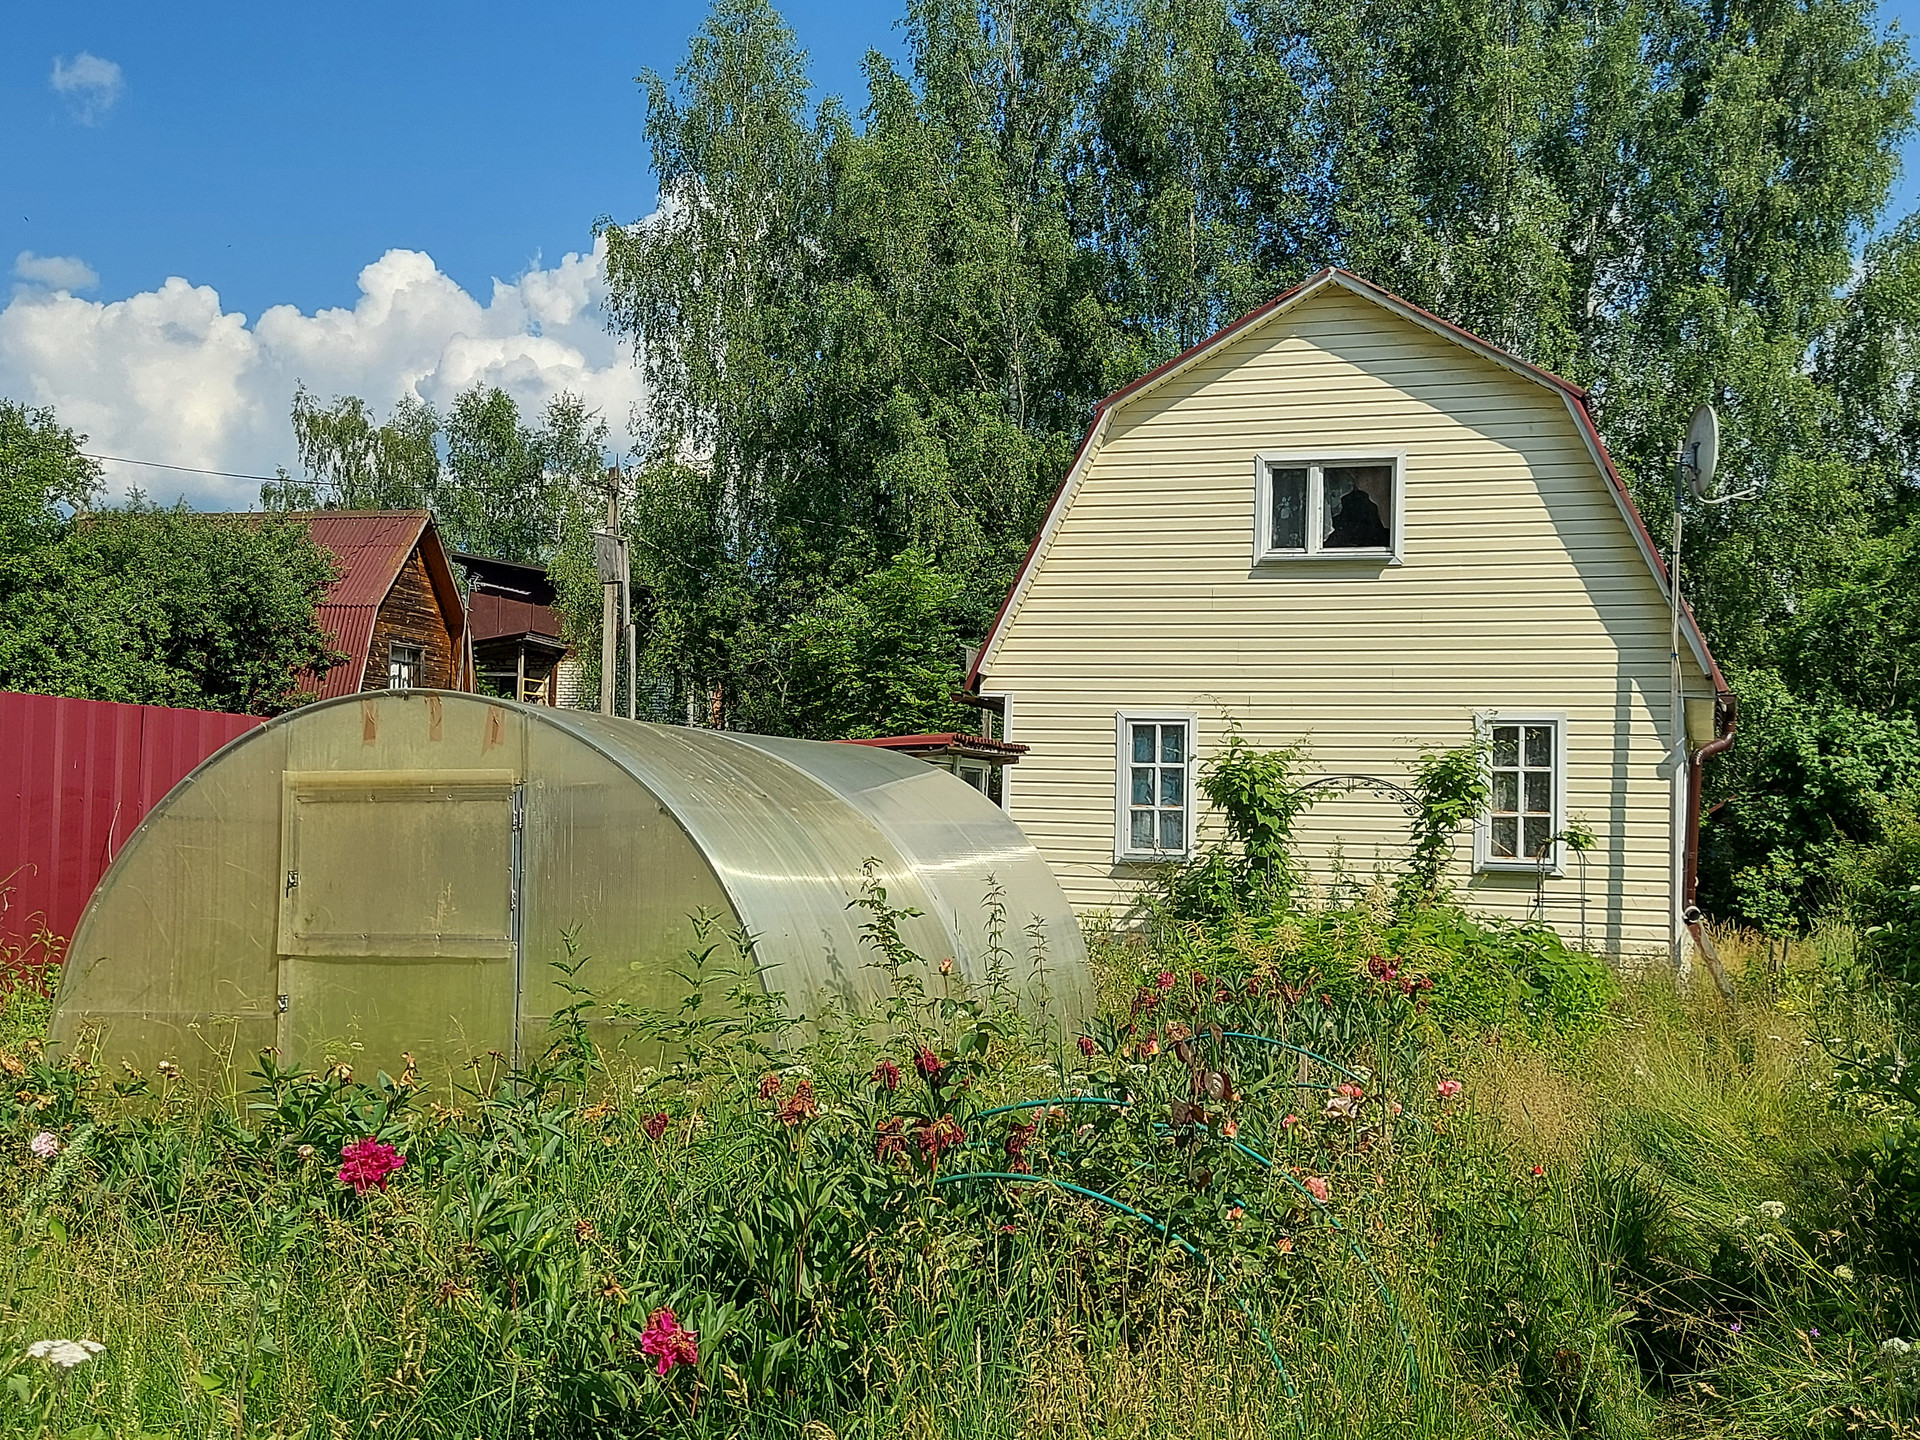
(1345, 523)
(515, 634)
(978, 760)
(395, 609)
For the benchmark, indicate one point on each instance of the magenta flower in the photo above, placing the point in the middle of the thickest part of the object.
(668, 1342)
(367, 1164)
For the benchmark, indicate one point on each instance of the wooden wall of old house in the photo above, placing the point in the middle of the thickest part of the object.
(412, 615)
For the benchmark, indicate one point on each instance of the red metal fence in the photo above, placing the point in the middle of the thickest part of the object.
(75, 777)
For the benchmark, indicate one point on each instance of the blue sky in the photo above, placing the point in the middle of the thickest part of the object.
(203, 205)
(270, 151)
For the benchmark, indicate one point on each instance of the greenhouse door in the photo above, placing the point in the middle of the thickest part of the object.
(399, 920)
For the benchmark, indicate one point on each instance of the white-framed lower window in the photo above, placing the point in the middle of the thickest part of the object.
(403, 667)
(1526, 758)
(1153, 785)
(1329, 506)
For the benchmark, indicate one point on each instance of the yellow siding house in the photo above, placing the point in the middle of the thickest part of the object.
(1346, 522)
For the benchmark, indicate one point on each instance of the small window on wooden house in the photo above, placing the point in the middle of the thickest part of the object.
(1526, 775)
(403, 667)
(1327, 508)
(1153, 787)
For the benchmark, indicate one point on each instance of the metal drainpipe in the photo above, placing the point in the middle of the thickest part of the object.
(1728, 713)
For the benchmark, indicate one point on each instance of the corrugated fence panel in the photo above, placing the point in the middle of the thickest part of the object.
(76, 776)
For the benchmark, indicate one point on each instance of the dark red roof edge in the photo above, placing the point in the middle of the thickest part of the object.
(1582, 415)
(929, 742)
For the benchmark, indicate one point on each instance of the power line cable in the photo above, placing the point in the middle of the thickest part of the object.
(187, 469)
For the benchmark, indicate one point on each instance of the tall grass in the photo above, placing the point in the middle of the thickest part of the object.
(1584, 1241)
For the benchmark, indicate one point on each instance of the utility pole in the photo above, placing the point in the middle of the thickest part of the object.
(609, 555)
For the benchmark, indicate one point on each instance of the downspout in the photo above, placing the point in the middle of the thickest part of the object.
(1727, 723)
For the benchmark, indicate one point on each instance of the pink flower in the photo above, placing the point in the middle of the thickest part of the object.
(1290, 1122)
(1350, 1090)
(1164, 979)
(656, 1125)
(1086, 1046)
(1447, 1089)
(887, 1075)
(1318, 1188)
(1539, 1171)
(46, 1145)
(367, 1164)
(669, 1342)
(1230, 1129)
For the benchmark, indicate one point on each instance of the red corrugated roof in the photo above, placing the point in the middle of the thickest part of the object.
(371, 546)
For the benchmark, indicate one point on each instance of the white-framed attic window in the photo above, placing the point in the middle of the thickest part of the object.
(1153, 785)
(1526, 760)
(1329, 505)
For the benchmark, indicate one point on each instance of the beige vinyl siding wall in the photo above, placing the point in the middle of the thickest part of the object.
(1522, 589)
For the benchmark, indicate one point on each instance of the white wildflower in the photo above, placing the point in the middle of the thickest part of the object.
(1774, 1210)
(1843, 1273)
(1895, 1349)
(65, 1353)
(46, 1145)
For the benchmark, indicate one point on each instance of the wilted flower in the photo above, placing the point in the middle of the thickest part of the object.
(1772, 1210)
(946, 966)
(1290, 1122)
(799, 1106)
(1342, 1107)
(887, 1075)
(1230, 1127)
(1086, 1046)
(1164, 980)
(1447, 1089)
(1318, 1188)
(1018, 1137)
(928, 1064)
(1236, 1212)
(668, 1342)
(1152, 1047)
(305, 1152)
(46, 1145)
(1393, 1107)
(655, 1125)
(367, 1164)
(890, 1140)
(168, 1070)
(1843, 1273)
(64, 1353)
(936, 1137)
(769, 1086)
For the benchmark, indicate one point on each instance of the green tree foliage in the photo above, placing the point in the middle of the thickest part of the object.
(874, 334)
(145, 605)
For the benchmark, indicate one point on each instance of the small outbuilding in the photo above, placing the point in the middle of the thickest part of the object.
(398, 873)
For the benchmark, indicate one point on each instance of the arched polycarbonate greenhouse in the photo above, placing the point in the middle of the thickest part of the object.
(397, 872)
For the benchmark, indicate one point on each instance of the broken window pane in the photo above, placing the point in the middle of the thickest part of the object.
(1358, 501)
(1290, 509)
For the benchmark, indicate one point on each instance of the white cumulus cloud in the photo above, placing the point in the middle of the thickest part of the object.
(55, 272)
(169, 375)
(90, 85)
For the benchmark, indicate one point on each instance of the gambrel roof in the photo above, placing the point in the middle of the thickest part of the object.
(1573, 396)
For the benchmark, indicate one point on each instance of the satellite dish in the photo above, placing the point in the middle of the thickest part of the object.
(1702, 450)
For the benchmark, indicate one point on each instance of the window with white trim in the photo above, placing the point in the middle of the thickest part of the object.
(1153, 787)
(1328, 507)
(403, 667)
(1526, 792)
